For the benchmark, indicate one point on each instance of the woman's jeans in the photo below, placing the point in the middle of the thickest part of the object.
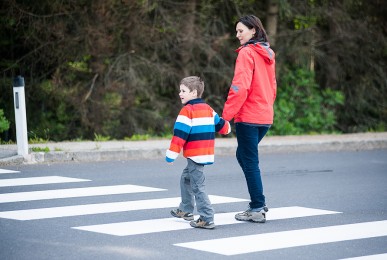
(248, 137)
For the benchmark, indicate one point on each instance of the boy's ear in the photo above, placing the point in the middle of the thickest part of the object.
(195, 92)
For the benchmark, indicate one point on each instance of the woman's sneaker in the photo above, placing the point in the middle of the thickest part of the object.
(254, 216)
(200, 223)
(177, 213)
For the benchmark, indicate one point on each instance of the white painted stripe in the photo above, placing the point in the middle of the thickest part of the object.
(78, 210)
(138, 227)
(287, 239)
(169, 224)
(38, 180)
(368, 257)
(7, 171)
(72, 193)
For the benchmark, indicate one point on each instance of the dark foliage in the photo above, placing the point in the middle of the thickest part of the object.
(112, 67)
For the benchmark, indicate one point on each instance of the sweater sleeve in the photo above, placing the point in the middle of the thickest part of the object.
(237, 95)
(181, 131)
(221, 126)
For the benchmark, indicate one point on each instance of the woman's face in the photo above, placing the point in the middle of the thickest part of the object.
(243, 33)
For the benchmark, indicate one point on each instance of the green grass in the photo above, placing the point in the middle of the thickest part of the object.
(40, 149)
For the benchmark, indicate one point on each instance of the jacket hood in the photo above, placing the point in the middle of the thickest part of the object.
(262, 48)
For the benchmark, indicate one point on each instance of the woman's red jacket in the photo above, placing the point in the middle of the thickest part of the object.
(254, 87)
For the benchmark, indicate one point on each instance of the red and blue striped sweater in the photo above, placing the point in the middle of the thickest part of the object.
(194, 132)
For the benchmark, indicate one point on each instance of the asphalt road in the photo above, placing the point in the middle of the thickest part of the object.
(327, 205)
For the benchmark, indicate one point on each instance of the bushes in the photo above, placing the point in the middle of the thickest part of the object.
(113, 67)
(4, 123)
(301, 107)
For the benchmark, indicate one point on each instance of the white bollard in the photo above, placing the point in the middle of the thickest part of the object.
(20, 116)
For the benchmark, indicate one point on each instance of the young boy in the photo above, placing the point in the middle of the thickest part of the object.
(194, 131)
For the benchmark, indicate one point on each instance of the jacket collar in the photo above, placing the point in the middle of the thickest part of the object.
(254, 42)
(195, 101)
(250, 42)
(262, 48)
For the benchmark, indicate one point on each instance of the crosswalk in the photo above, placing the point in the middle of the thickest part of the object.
(293, 238)
(38, 181)
(7, 171)
(73, 193)
(227, 246)
(167, 224)
(89, 209)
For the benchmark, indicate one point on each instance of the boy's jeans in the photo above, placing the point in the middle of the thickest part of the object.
(192, 188)
(248, 137)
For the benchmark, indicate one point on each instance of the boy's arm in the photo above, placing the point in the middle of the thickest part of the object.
(181, 131)
(221, 126)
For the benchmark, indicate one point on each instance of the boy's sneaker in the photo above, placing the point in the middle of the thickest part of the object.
(177, 213)
(200, 223)
(254, 216)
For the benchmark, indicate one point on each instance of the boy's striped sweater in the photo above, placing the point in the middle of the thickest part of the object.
(194, 131)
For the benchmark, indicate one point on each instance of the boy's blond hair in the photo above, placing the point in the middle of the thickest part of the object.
(194, 83)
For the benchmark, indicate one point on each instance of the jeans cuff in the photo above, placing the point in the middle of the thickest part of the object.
(256, 209)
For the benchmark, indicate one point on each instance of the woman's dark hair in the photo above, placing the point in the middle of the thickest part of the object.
(251, 21)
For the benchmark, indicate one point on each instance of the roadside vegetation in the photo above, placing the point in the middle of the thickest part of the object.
(109, 69)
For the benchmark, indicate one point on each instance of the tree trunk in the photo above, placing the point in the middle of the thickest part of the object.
(332, 55)
(188, 33)
(272, 20)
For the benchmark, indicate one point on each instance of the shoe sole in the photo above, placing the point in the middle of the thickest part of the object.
(252, 220)
(204, 227)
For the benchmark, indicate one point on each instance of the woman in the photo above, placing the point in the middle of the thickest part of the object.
(250, 103)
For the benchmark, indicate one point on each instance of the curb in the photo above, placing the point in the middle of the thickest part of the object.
(89, 156)
(155, 149)
(334, 146)
(153, 153)
(13, 160)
